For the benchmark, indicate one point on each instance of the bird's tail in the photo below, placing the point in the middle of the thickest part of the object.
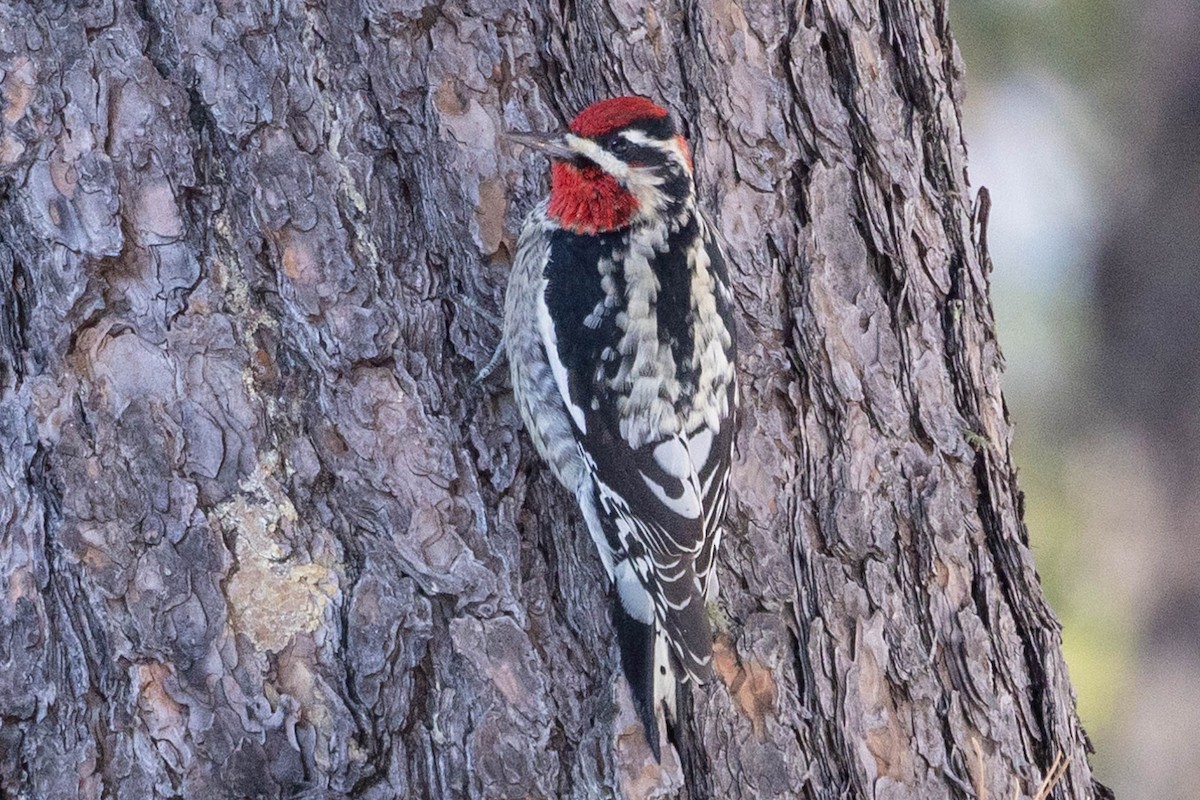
(640, 649)
(652, 670)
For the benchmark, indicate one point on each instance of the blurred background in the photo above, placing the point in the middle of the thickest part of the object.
(1083, 120)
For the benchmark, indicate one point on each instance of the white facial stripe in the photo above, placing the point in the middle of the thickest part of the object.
(597, 154)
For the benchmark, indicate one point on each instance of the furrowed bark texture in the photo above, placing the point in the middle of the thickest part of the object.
(262, 536)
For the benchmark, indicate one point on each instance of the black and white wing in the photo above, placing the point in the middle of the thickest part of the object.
(641, 339)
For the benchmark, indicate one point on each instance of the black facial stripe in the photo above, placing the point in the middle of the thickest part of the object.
(655, 127)
(645, 155)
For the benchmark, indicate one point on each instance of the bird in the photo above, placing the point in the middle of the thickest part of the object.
(620, 336)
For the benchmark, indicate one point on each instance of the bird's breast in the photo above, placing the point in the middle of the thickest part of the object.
(643, 332)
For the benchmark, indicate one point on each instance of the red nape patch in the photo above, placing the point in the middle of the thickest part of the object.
(588, 199)
(610, 115)
(687, 151)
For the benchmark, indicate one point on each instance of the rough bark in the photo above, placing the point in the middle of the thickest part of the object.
(262, 535)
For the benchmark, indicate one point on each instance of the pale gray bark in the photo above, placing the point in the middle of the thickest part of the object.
(263, 537)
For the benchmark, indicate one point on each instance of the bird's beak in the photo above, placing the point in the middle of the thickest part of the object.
(553, 145)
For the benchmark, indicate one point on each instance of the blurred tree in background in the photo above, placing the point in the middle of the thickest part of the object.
(1148, 309)
(1082, 119)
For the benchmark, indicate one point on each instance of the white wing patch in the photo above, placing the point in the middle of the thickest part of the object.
(686, 505)
(684, 458)
(634, 597)
(672, 455)
(699, 447)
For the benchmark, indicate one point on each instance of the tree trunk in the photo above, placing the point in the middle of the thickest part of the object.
(264, 537)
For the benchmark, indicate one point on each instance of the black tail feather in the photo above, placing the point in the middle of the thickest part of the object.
(693, 758)
(636, 642)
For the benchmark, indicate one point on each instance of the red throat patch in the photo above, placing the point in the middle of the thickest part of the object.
(585, 198)
(588, 200)
(617, 112)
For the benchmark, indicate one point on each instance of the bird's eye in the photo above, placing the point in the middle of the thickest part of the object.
(619, 146)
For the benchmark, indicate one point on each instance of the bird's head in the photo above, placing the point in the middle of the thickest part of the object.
(621, 163)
